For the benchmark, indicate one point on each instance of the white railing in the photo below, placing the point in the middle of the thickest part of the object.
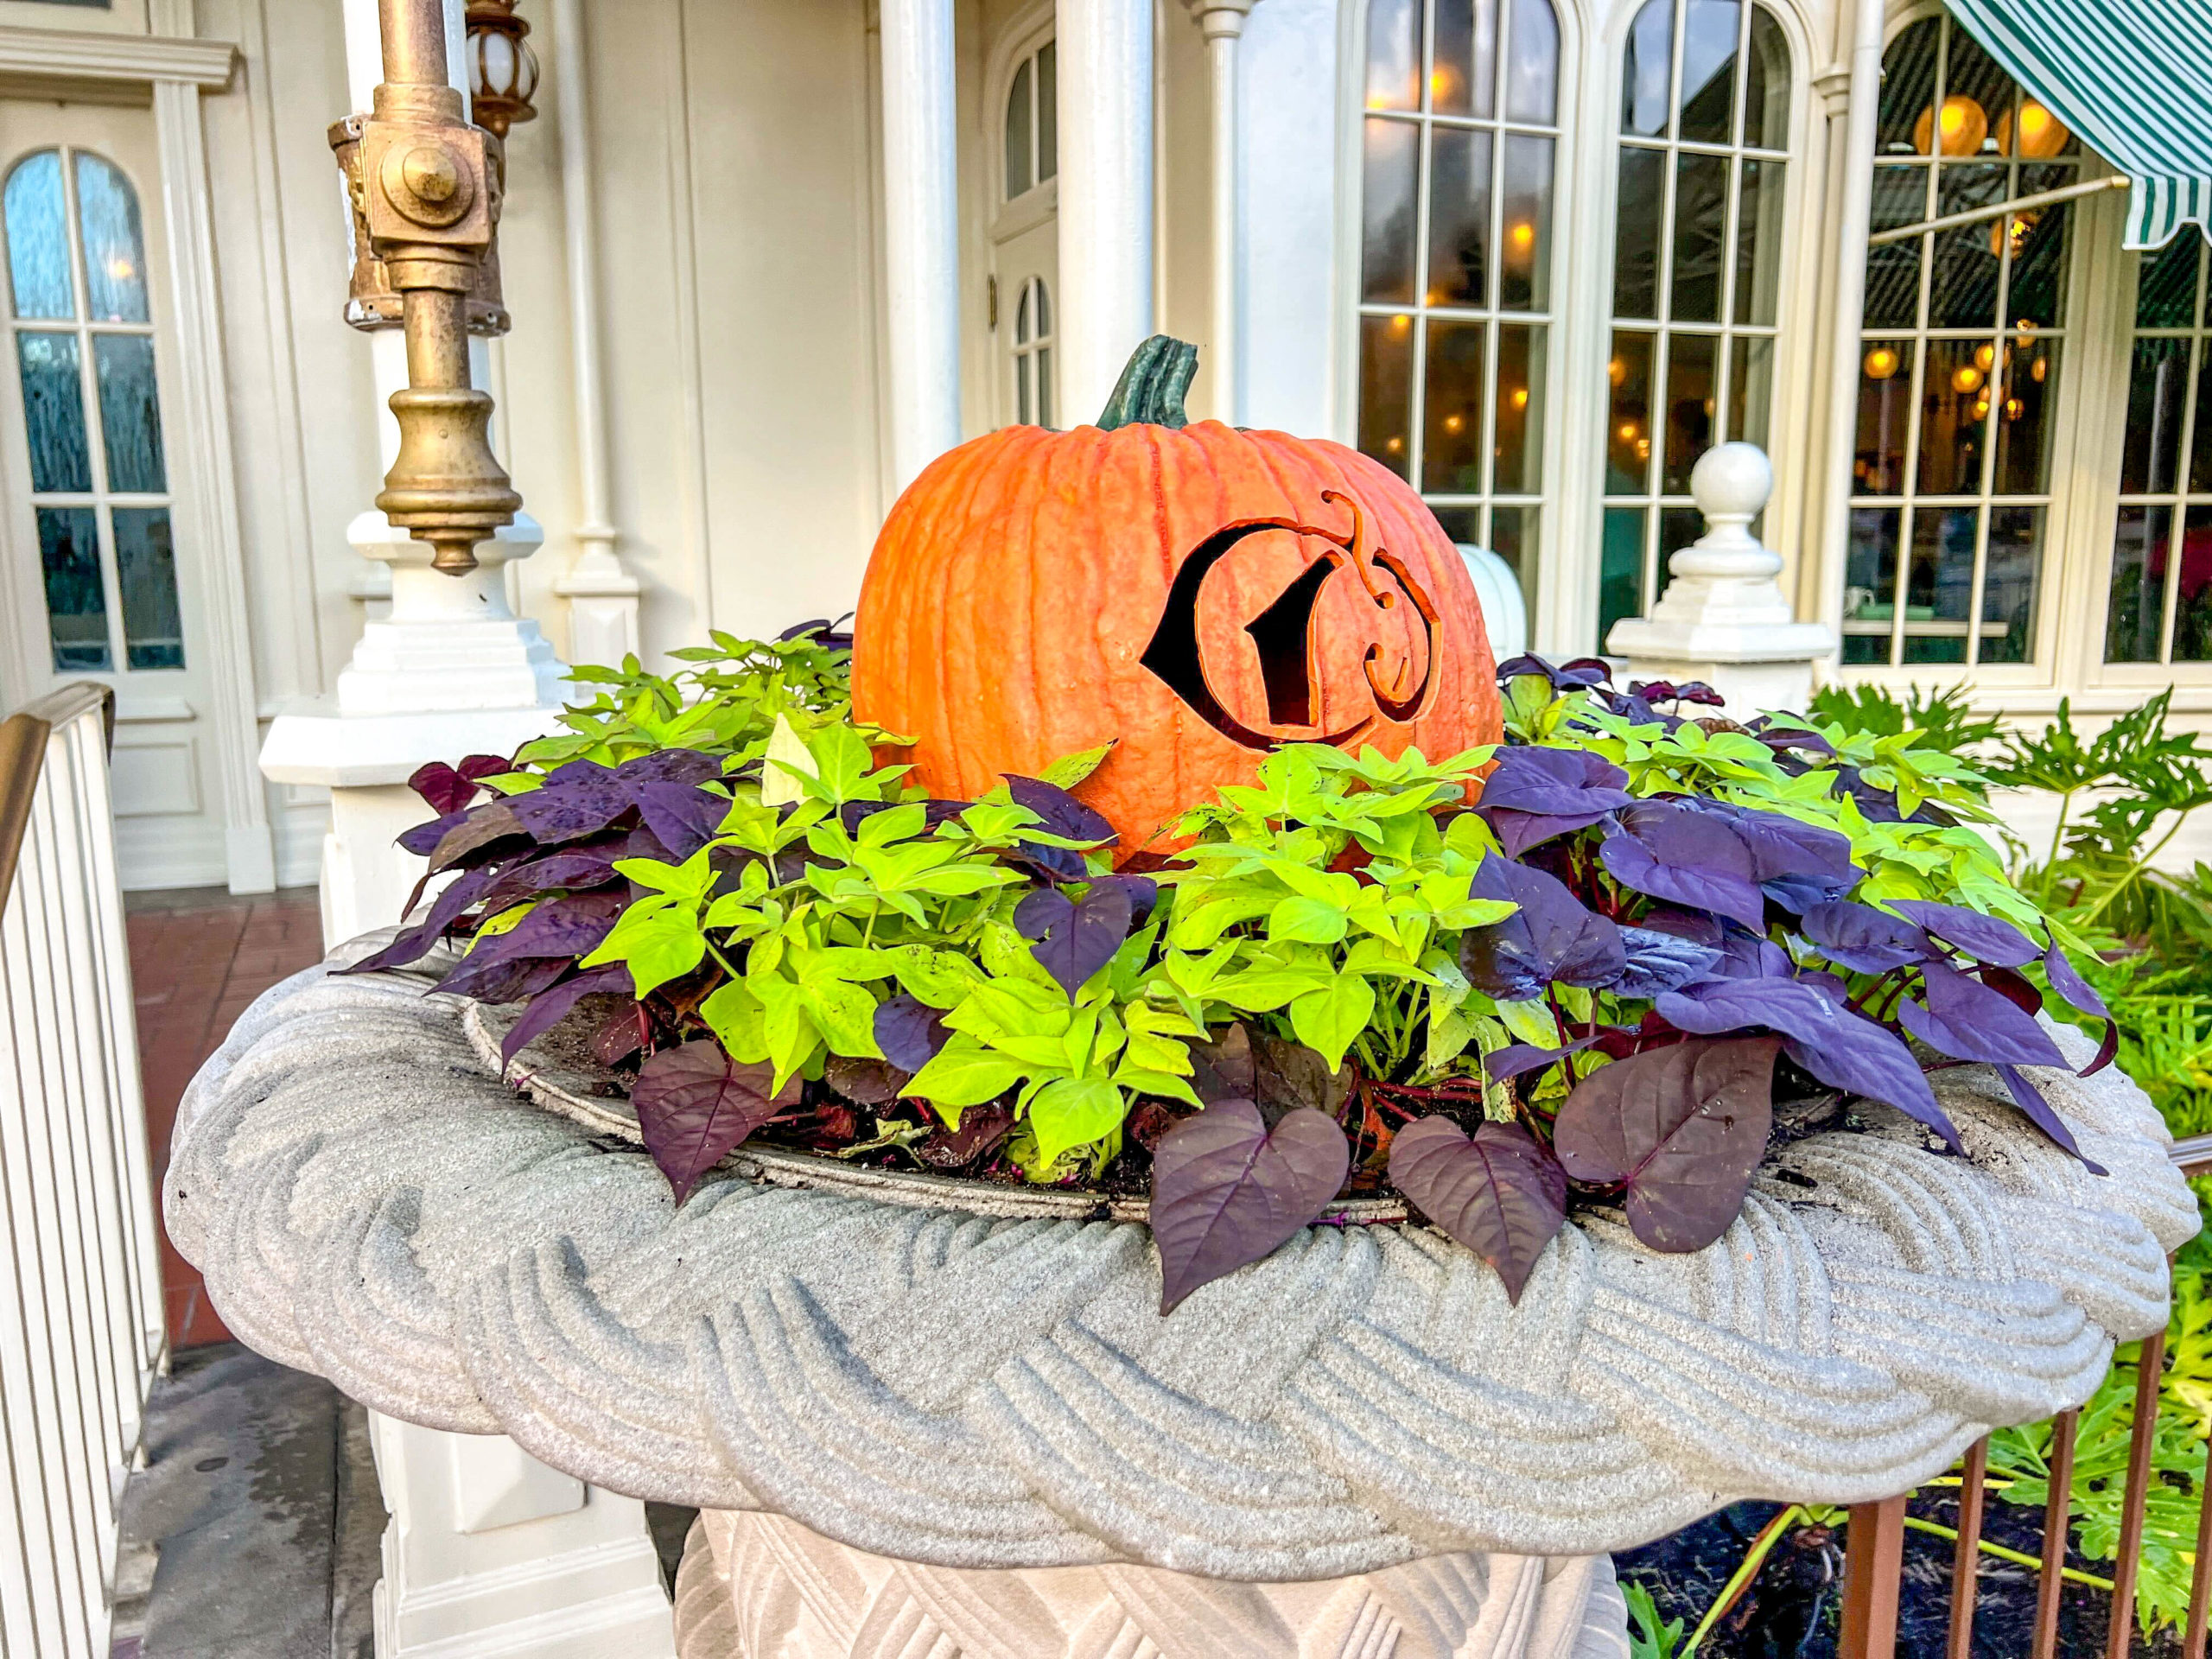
(81, 1326)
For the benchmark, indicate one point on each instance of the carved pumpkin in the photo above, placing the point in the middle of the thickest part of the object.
(1200, 593)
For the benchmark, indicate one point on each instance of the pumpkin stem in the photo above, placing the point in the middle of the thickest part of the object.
(1152, 389)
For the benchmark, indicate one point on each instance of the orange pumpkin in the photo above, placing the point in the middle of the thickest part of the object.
(1199, 594)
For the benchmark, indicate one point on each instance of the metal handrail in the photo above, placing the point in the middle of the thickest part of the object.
(22, 756)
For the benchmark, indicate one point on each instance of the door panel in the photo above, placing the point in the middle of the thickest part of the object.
(93, 583)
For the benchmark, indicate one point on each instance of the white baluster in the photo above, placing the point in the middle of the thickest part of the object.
(1723, 619)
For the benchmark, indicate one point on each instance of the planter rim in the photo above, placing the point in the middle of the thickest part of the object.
(368, 1201)
(570, 1092)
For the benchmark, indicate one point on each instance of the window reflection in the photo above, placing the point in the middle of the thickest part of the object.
(1698, 244)
(84, 357)
(1459, 157)
(1960, 359)
(2159, 600)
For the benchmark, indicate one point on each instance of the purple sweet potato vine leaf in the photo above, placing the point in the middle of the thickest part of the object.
(695, 1103)
(1498, 1192)
(1227, 1190)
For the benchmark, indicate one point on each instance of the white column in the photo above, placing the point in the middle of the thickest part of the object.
(1723, 619)
(602, 596)
(1222, 22)
(921, 215)
(1105, 79)
(1853, 212)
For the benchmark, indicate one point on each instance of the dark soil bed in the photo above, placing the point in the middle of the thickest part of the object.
(1794, 1609)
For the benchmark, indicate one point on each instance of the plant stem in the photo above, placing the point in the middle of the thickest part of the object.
(1740, 1580)
(2003, 1554)
(2135, 872)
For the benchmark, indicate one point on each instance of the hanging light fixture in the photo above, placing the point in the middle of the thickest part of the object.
(502, 69)
(1963, 123)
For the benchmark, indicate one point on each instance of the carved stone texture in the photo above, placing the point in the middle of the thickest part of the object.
(762, 1586)
(368, 1202)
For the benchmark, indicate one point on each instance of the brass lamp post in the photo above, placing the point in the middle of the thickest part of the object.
(426, 188)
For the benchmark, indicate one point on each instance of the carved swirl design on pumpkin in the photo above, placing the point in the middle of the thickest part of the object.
(1282, 635)
(368, 1203)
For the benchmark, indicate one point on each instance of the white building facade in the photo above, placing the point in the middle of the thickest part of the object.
(766, 257)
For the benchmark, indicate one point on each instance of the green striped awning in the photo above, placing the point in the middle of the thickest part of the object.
(2134, 78)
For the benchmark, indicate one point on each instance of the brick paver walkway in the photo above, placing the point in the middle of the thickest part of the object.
(198, 957)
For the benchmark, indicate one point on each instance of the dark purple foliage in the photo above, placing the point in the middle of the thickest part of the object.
(1681, 1131)
(448, 789)
(422, 839)
(1533, 794)
(1143, 891)
(459, 894)
(1662, 962)
(1062, 813)
(1551, 938)
(1986, 938)
(683, 817)
(909, 1031)
(2080, 994)
(1227, 1190)
(480, 829)
(2030, 1100)
(1581, 673)
(1970, 1020)
(695, 1103)
(1864, 939)
(502, 979)
(1500, 1193)
(548, 1006)
(1687, 857)
(1075, 937)
(1515, 1059)
(1836, 1046)
(578, 799)
(1783, 739)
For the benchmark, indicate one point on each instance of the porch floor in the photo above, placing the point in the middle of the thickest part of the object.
(198, 956)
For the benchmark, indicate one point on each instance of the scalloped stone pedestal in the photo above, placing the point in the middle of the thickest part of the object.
(963, 1378)
(755, 1586)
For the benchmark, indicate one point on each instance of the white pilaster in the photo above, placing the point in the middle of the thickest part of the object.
(208, 505)
(1854, 214)
(1723, 619)
(921, 214)
(1105, 84)
(1222, 23)
(491, 1552)
(602, 596)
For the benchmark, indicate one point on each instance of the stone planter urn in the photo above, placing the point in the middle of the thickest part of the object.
(929, 1417)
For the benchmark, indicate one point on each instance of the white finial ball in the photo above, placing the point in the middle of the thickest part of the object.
(1731, 481)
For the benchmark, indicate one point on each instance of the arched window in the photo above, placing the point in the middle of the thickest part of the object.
(1697, 253)
(1032, 123)
(1960, 361)
(2161, 604)
(1461, 144)
(1032, 354)
(83, 342)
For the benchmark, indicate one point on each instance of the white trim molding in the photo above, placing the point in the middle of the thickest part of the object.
(209, 500)
(147, 60)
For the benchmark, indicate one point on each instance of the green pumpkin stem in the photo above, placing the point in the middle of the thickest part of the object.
(1152, 389)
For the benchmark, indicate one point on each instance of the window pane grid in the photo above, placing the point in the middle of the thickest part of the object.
(2163, 536)
(1458, 216)
(1665, 344)
(1949, 518)
(83, 521)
